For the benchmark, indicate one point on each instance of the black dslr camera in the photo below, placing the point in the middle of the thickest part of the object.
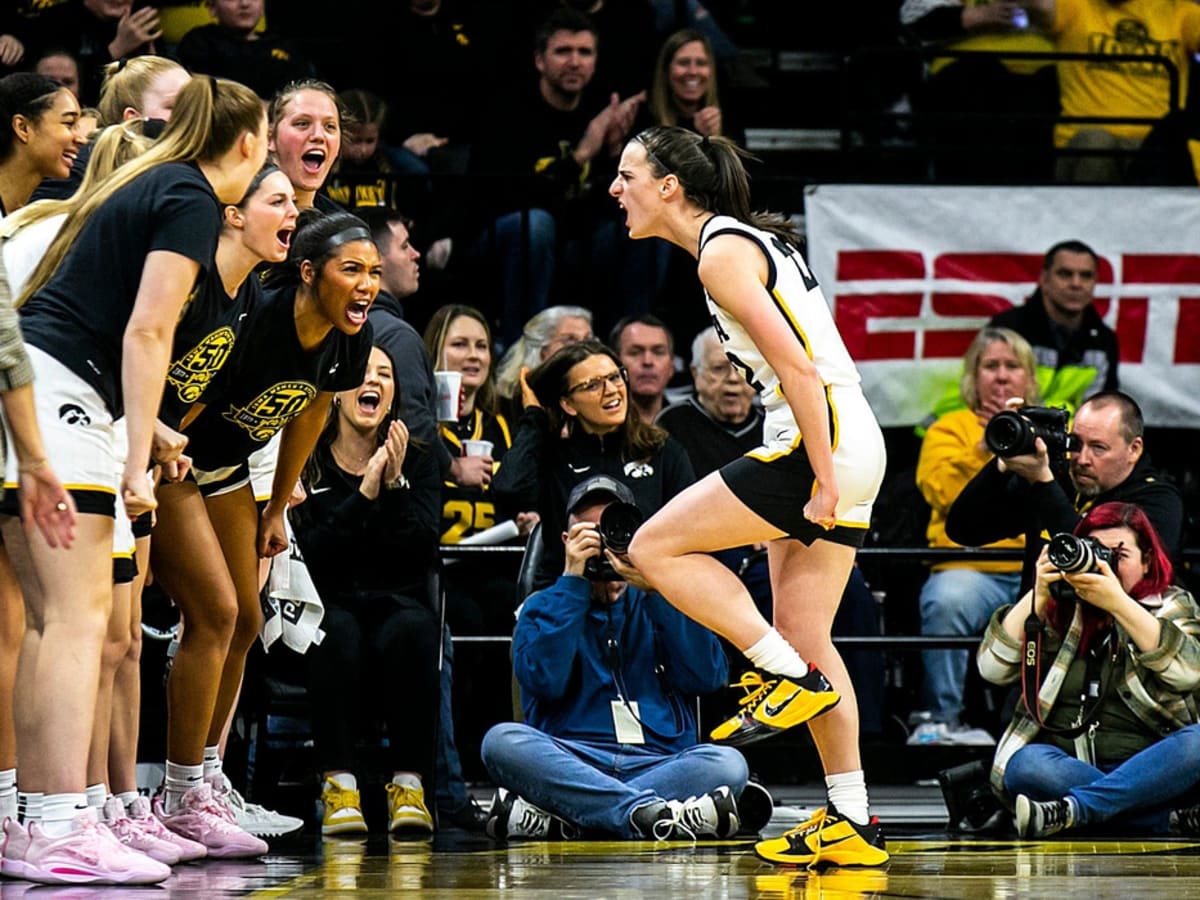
(1012, 432)
(1070, 554)
(617, 524)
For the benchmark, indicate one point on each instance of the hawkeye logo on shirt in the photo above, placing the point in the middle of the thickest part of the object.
(192, 372)
(1132, 36)
(272, 409)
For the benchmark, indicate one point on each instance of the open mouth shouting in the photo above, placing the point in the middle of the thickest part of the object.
(314, 161)
(368, 401)
(356, 313)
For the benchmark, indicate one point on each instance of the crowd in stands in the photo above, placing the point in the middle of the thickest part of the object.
(262, 203)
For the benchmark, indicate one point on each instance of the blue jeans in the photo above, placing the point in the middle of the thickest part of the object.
(1148, 785)
(957, 601)
(597, 785)
(451, 793)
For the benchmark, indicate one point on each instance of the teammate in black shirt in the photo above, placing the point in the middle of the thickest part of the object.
(101, 311)
(307, 339)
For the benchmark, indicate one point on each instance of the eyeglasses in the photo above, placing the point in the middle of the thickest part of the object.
(597, 384)
(719, 372)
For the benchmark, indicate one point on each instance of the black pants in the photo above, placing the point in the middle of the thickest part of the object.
(379, 658)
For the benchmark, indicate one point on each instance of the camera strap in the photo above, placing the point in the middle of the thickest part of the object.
(1095, 686)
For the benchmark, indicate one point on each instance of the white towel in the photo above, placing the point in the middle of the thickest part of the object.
(292, 609)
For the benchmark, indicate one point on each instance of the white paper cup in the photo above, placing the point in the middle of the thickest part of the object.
(449, 385)
(477, 448)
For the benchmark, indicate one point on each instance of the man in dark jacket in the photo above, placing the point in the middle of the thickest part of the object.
(1076, 352)
(1022, 495)
(609, 672)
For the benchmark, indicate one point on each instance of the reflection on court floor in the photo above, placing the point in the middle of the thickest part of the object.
(455, 864)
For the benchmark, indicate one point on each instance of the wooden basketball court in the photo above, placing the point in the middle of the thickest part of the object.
(926, 861)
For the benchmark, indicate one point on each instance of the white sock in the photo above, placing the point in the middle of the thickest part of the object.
(8, 794)
(127, 798)
(29, 806)
(180, 779)
(847, 792)
(407, 779)
(773, 653)
(212, 762)
(345, 780)
(96, 795)
(59, 812)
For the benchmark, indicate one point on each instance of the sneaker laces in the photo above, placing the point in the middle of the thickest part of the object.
(1055, 816)
(1187, 820)
(533, 821)
(222, 793)
(207, 805)
(813, 826)
(684, 817)
(402, 795)
(238, 803)
(340, 798)
(755, 686)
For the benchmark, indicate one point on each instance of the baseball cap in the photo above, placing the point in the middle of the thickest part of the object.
(598, 484)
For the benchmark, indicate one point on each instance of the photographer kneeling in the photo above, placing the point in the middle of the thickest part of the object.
(609, 672)
(1109, 735)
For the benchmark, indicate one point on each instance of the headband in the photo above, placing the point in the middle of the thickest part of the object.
(345, 236)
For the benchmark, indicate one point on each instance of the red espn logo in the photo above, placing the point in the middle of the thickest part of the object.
(854, 311)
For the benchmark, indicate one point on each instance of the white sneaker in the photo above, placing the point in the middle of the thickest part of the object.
(931, 734)
(709, 815)
(257, 819)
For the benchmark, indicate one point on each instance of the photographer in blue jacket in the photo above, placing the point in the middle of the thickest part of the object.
(609, 672)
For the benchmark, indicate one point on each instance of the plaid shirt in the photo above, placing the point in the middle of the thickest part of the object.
(1158, 686)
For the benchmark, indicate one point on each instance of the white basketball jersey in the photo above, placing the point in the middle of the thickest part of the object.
(793, 290)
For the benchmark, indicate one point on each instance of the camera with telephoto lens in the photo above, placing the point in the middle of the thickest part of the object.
(617, 524)
(1070, 554)
(1013, 432)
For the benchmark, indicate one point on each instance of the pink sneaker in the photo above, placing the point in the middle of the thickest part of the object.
(88, 855)
(220, 790)
(16, 841)
(200, 818)
(131, 833)
(143, 815)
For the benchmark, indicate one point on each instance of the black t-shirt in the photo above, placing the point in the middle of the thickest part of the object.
(204, 340)
(468, 510)
(269, 380)
(79, 316)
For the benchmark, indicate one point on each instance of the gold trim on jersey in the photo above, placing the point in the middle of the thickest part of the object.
(787, 315)
(771, 457)
(12, 486)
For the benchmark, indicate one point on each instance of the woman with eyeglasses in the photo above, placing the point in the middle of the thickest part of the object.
(577, 423)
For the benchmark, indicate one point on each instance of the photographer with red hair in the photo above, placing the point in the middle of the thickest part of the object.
(1108, 737)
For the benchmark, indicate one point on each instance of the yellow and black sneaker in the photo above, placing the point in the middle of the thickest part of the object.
(828, 839)
(773, 704)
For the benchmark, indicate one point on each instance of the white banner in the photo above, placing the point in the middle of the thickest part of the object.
(913, 272)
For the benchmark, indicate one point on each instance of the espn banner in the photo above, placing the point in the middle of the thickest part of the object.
(913, 272)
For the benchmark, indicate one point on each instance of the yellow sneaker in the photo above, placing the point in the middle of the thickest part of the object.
(406, 808)
(828, 838)
(343, 809)
(775, 704)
